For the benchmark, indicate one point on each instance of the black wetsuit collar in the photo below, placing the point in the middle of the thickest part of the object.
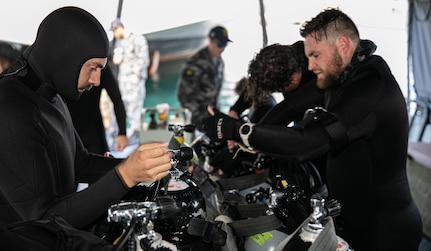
(365, 49)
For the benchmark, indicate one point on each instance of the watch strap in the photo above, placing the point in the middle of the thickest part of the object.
(245, 136)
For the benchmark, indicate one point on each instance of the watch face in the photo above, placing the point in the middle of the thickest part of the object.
(245, 129)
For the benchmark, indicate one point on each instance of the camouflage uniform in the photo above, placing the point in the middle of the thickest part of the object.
(200, 84)
(132, 75)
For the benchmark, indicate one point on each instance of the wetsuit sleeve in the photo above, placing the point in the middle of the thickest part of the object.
(106, 187)
(90, 166)
(294, 105)
(240, 105)
(81, 208)
(290, 143)
(111, 86)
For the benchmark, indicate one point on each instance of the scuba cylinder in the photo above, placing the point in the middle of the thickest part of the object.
(180, 186)
(264, 241)
(317, 232)
(189, 199)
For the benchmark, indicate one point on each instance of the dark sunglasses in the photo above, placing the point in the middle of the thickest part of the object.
(221, 45)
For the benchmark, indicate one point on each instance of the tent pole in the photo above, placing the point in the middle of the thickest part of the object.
(263, 23)
(120, 8)
(409, 36)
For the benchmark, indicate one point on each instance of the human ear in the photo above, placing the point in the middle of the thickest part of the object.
(343, 44)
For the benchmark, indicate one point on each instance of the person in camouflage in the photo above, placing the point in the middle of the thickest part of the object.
(202, 77)
(131, 55)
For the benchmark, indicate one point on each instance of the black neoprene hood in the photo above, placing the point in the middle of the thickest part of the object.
(65, 40)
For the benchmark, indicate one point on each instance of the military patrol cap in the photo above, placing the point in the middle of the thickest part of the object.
(220, 33)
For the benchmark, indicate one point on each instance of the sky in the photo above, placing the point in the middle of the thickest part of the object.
(383, 21)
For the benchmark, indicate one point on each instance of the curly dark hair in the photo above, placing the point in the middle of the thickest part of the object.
(329, 23)
(241, 85)
(270, 70)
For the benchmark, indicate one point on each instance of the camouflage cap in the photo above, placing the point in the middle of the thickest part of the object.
(220, 33)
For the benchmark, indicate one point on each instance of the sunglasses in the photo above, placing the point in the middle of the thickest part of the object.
(221, 45)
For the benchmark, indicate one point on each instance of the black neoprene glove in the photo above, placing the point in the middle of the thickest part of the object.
(221, 127)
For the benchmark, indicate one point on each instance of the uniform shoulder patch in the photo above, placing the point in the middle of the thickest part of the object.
(188, 72)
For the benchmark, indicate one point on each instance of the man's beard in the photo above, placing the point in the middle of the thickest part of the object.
(335, 69)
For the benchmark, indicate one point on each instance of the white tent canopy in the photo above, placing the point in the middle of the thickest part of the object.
(383, 21)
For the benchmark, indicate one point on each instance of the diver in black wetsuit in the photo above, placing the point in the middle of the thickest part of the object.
(42, 156)
(276, 68)
(363, 128)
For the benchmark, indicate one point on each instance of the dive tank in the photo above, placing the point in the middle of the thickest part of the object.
(191, 204)
(155, 243)
(266, 241)
(256, 194)
(138, 228)
(317, 232)
(300, 242)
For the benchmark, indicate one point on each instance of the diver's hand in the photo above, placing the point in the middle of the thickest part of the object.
(149, 162)
(220, 127)
(122, 142)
